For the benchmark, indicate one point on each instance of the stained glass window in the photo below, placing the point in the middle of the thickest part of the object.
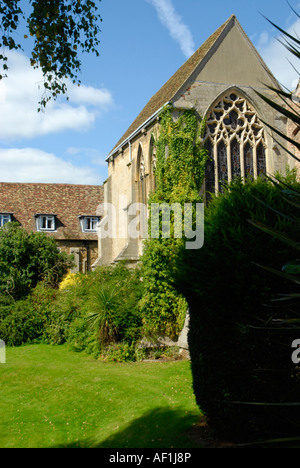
(222, 165)
(235, 159)
(248, 160)
(234, 129)
(210, 171)
(261, 159)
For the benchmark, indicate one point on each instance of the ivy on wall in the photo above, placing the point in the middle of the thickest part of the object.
(180, 170)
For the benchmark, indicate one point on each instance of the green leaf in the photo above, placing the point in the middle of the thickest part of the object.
(279, 273)
(290, 115)
(292, 267)
(273, 209)
(276, 234)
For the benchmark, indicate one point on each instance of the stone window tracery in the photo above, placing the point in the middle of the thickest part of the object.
(235, 142)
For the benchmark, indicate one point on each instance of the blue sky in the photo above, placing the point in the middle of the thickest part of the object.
(143, 42)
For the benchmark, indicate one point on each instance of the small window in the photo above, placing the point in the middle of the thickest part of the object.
(89, 223)
(45, 223)
(4, 218)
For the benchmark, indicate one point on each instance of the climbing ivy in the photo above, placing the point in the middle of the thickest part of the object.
(180, 170)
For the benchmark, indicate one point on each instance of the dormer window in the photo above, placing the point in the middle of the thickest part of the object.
(89, 223)
(4, 218)
(45, 222)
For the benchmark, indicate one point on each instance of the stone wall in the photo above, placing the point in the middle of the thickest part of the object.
(85, 253)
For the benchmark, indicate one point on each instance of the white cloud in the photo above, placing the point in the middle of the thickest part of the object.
(90, 96)
(263, 39)
(95, 156)
(173, 22)
(34, 165)
(20, 93)
(277, 57)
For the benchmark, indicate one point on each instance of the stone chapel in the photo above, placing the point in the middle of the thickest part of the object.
(219, 81)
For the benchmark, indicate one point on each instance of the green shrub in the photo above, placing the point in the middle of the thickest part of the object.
(163, 308)
(119, 352)
(80, 338)
(22, 324)
(238, 360)
(62, 315)
(25, 321)
(27, 258)
(80, 309)
(68, 305)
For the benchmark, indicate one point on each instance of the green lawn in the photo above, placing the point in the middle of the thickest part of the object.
(53, 397)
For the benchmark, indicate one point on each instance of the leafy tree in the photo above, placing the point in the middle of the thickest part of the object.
(28, 258)
(60, 30)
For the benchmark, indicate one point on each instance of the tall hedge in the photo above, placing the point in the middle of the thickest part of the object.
(243, 374)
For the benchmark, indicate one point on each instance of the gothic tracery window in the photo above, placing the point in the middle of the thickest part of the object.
(235, 142)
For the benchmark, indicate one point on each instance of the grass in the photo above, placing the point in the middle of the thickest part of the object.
(53, 397)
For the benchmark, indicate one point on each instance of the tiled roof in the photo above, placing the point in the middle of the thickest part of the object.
(66, 201)
(173, 85)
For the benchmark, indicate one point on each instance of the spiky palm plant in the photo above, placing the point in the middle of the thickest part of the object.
(289, 108)
(103, 320)
(286, 303)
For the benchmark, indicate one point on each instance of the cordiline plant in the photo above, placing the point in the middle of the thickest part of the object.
(103, 319)
(287, 105)
(112, 307)
(291, 269)
(285, 303)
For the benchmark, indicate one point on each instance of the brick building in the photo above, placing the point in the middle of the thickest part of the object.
(66, 212)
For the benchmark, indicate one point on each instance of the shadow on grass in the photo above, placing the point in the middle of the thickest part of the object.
(159, 428)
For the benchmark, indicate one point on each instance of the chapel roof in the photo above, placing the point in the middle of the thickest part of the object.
(172, 86)
(169, 90)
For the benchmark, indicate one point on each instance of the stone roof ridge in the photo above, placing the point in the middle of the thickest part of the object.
(177, 80)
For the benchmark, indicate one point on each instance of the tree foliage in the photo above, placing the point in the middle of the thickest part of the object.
(60, 29)
(28, 258)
